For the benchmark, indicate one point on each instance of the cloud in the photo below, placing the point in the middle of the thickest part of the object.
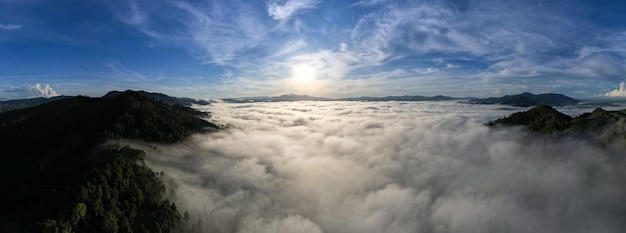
(285, 9)
(428, 70)
(388, 167)
(10, 26)
(501, 42)
(481, 45)
(121, 72)
(212, 32)
(371, 2)
(135, 15)
(621, 92)
(219, 34)
(28, 91)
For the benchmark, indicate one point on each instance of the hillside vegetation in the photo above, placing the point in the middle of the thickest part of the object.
(607, 126)
(59, 176)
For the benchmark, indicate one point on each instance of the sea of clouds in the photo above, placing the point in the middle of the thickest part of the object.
(388, 167)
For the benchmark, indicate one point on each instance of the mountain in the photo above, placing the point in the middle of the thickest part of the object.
(528, 100)
(293, 97)
(59, 174)
(162, 97)
(606, 126)
(542, 118)
(27, 103)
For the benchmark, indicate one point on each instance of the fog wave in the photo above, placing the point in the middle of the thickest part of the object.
(388, 167)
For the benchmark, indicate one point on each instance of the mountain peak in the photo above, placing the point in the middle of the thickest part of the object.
(542, 118)
(545, 119)
(159, 97)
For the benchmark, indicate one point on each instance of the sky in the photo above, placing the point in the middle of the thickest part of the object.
(216, 49)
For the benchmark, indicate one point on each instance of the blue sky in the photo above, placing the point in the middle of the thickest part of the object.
(209, 49)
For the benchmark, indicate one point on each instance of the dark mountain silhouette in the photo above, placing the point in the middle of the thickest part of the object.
(27, 103)
(294, 97)
(606, 126)
(58, 176)
(528, 100)
(162, 97)
(542, 118)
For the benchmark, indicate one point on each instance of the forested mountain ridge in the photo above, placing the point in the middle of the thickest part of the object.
(162, 97)
(58, 177)
(9, 105)
(528, 100)
(607, 126)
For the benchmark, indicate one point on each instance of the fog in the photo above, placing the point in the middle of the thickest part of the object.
(388, 167)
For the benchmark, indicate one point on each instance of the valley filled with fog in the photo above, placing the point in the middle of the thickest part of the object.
(388, 167)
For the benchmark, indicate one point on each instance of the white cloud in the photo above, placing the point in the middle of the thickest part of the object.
(42, 90)
(28, 91)
(371, 2)
(10, 26)
(285, 9)
(388, 167)
(428, 70)
(621, 92)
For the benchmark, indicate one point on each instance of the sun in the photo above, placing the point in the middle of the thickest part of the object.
(303, 73)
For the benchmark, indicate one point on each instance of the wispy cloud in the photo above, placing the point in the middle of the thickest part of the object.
(371, 2)
(503, 39)
(213, 32)
(134, 15)
(121, 72)
(10, 26)
(285, 9)
(401, 30)
(484, 45)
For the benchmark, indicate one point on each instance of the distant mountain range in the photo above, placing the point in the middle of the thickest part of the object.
(26, 103)
(522, 100)
(294, 97)
(162, 97)
(527, 100)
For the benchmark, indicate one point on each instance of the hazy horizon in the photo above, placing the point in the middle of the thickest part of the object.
(41, 93)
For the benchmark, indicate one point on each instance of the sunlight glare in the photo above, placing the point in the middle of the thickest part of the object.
(303, 73)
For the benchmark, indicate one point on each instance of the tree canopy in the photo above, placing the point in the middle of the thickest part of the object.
(59, 176)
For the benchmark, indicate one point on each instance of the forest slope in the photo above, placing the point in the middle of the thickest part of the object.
(57, 175)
